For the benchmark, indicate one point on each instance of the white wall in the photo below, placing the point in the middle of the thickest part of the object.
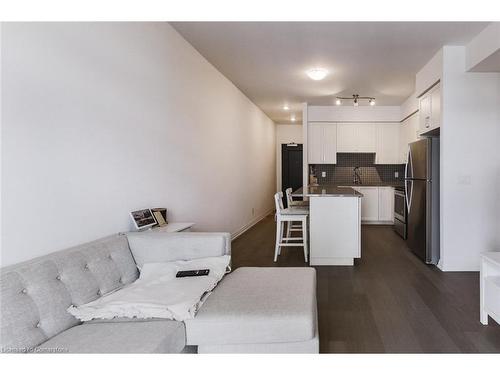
(285, 134)
(103, 118)
(470, 163)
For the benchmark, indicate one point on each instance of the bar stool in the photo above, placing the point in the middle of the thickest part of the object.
(291, 227)
(289, 215)
(291, 203)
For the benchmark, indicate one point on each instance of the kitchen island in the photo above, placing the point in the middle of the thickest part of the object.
(335, 224)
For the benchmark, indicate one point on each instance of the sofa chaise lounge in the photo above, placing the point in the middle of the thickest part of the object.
(251, 310)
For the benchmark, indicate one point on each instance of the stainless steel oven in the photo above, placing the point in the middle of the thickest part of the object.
(400, 212)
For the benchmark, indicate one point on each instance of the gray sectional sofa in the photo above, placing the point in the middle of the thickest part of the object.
(251, 310)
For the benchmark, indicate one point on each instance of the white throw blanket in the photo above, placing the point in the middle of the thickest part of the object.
(158, 293)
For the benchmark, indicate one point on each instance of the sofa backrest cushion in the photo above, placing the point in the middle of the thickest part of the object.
(156, 246)
(35, 294)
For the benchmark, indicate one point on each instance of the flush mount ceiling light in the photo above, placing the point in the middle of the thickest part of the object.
(286, 107)
(292, 118)
(355, 99)
(317, 74)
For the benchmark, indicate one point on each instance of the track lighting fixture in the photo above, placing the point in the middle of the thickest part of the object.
(355, 100)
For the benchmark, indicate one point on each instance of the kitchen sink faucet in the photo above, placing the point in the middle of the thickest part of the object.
(356, 176)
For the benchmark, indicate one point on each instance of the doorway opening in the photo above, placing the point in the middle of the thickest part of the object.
(291, 167)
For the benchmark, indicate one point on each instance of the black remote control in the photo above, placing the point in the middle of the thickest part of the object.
(192, 273)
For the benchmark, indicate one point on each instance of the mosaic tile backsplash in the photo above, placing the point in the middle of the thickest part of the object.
(371, 173)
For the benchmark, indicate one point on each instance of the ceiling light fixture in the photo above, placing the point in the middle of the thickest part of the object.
(286, 107)
(292, 118)
(355, 99)
(317, 74)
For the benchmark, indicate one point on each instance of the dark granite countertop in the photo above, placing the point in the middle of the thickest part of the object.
(389, 184)
(326, 191)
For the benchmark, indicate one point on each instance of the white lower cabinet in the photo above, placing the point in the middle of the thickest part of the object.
(369, 202)
(386, 204)
(377, 204)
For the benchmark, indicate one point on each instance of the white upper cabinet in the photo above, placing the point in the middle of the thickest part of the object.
(430, 109)
(436, 107)
(388, 144)
(346, 138)
(367, 137)
(408, 133)
(314, 143)
(356, 137)
(425, 112)
(330, 144)
(321, 143)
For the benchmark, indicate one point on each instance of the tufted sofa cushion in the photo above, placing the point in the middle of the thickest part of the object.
(133, 336)
(35, 294)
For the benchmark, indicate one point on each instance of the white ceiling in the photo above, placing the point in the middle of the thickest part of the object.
(268, 60)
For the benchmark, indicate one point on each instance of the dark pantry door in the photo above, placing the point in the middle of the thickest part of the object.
(291, 167)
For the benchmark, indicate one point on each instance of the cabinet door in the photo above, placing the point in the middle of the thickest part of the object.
(403, 140)
(329, 143)
(369, 203)
(436, 107)
(315, 143)
(388, 144)
(413, 130)
(386, 204)
(425, 112)
(366, 138)
(408, 133)
(346, 137)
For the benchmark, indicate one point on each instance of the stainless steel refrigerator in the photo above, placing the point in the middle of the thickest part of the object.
(422, 199)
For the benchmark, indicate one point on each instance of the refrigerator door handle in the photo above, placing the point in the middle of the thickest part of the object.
(406, 193)
(410, 198)
(407, 197)
(410, 163)
(406, 169)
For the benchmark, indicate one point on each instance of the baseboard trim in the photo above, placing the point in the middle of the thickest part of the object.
(243, 229)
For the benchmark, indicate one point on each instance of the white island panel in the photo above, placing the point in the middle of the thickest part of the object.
(335, 230)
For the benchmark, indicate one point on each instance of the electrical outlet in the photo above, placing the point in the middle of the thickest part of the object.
(396, 174)
(323, 174)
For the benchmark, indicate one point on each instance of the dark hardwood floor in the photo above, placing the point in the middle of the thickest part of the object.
(389, 302)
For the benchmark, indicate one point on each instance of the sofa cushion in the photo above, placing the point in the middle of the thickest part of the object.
(147, 336)
(36, 294)
(157, 246)
(258, 305)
